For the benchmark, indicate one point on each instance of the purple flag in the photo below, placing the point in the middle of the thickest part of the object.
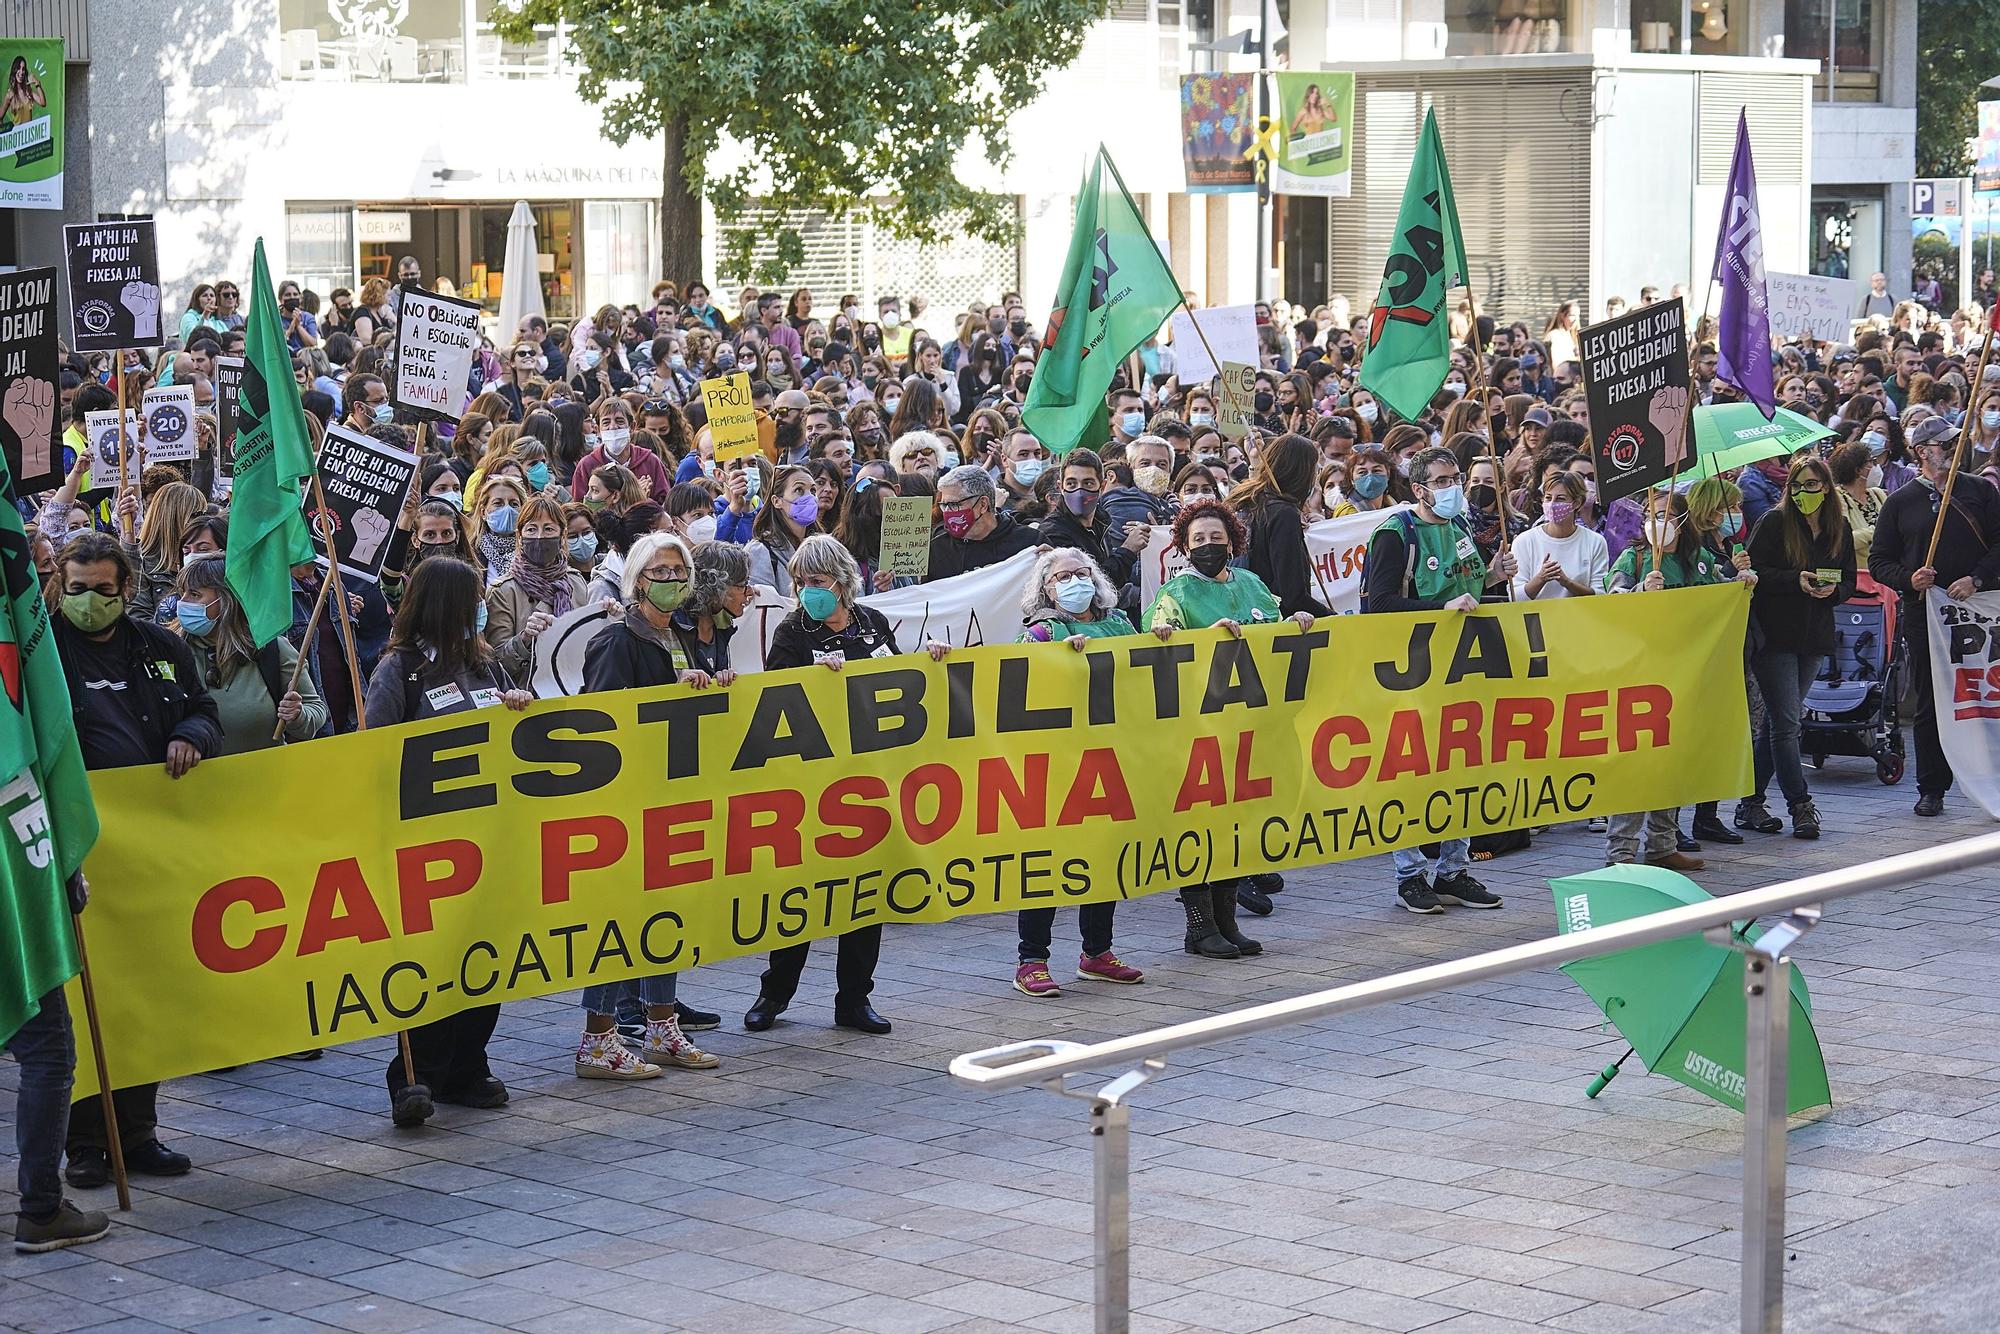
(1743, 345)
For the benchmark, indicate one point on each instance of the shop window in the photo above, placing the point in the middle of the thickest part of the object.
(1845, 37)
(319, 246)
(1656, 26)
(1509, 27)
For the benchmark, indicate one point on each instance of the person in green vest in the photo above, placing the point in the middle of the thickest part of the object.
(1069, 600)
(1684, 560)
(1212, 591)
(1427, 560)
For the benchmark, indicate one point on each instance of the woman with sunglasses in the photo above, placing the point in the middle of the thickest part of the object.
(1803, 554)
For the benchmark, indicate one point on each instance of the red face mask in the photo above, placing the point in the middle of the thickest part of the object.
(959, 522)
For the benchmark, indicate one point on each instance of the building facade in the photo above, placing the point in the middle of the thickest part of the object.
(1588, 139)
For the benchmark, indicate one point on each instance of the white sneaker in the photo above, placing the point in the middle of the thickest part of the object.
(605, 1056)
(666, 1044)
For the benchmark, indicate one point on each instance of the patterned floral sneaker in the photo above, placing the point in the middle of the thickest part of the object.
(667, 1045)
(605, 1056)
(1032, 979)
(1105, 967)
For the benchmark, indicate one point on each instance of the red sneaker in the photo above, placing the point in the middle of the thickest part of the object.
(1032, 979)
(1105, 967)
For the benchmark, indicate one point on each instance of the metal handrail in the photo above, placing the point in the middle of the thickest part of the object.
(1047, 1063)
(1038, 1062)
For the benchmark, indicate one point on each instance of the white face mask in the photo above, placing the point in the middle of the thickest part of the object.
(1662, 532)
(1875, 475)
(615, 439)
(701, 529)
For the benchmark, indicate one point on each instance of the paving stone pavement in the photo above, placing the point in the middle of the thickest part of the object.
(1430, 1166)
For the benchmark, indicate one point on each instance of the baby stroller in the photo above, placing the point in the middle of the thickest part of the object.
(1850, 709)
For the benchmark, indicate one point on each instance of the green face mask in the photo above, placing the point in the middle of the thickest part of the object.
(666, 595)
(91, 611)
(1808, 501)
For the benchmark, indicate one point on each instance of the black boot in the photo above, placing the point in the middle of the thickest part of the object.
(1270, 882)
(1223, 897)
(1708, 826)
(1252, 897)
(1202, 936)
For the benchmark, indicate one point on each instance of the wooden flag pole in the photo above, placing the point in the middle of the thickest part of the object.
(111, 1141)
(1964, 433)
(305, 650)
(118, 373)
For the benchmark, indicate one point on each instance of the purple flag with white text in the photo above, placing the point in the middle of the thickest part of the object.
(1743, 343)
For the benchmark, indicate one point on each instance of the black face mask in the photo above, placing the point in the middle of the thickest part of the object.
(1019, 328)
(541, 552)
(1481, 496)
(1210, 559)
(1264, 403)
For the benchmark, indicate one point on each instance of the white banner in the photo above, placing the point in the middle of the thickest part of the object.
(1965, 686)
(436, 337)
(1812, 306)
(1231, 333)
(983, 607)
(1338, 548)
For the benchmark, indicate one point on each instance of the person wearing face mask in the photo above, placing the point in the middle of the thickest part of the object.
(433, 527)
(1857, 481)
(1559, 557)
(1804, 558)
(253, 688)
(539, 587)
(580, 538)
(500, 502)
(643, 648)
(533, 456)
(139, 699)
(1136, 490)
(1068, 600)
(1022, 461)
(1212, 591)
(368, 403)
(895, 336)
(1986, 428)
(791, 517)
(828, 628)
(1128, 416)
(1967, 561)
(1715, 510)
(1426, 560)
(1077, 522)
(437, 662)
(615, 445)
(1371, 483)
(1272, 503)
(973, 532)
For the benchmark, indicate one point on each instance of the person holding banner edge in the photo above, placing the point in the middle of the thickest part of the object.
(1428, 561)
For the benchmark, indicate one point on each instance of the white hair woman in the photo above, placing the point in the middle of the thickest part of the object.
(829, 626)
(642, 650)
(1069, 599)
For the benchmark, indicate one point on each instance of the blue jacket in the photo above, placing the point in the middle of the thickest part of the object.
(1760, 495)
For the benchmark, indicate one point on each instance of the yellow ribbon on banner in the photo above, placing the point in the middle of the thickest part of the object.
(347, 888)
(1265, 144)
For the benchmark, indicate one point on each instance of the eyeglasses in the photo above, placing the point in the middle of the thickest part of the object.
(963, 503)
(1811, 486)
(657, 575)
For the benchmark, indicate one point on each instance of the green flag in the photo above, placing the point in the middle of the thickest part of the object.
(1116, 292)
(267, 530)
(1409, 335)
(47, 819)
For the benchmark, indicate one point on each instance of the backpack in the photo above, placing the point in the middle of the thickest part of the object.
(1407, 527)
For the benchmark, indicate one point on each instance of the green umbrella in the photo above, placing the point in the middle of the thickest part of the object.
(1730, 435)
(1678, 1002)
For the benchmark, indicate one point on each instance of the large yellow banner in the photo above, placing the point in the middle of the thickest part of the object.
(354, 886)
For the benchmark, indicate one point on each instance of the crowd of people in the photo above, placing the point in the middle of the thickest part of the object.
(581, 470)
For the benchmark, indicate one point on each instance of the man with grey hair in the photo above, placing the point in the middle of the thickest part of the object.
(974, 533)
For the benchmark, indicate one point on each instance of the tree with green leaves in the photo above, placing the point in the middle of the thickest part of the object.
(1958, 48)
(848, 107)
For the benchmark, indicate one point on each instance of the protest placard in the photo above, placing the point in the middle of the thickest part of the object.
(1235, 398)
(114, 285)
(1812, 306)
(732, 417)
(1231, 332)
(1636, 381)
(101, 429)
(169, 413)
(436, 339)
(365, 482)
(906, 536)
(28, 379)
(228, 394)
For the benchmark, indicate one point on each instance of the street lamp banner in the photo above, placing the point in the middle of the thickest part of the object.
(1986, 171)
(31, 125)
(1218, 124)
(1316, 139)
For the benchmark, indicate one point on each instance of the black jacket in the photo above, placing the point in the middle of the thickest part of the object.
(162, 685)
(950, 555)
(799, 640)
(1784, 618)
(1278, 556)
(1064, 529)
(620, 658)
(1970, 543)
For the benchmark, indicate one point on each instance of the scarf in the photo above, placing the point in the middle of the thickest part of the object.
(548, 587)
(498, 553)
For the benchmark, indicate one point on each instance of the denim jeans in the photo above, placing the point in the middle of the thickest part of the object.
(1038, 925)
(1783, 678)
(46, 1050)
(603, 997)
(1453, 856)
